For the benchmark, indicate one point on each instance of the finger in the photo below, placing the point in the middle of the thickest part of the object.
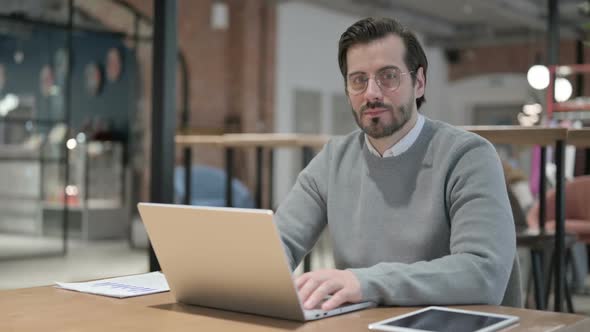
(319, 294)
(301, 280)
(308, 288)
(336, 300)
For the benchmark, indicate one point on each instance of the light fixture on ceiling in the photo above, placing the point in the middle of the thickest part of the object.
(81, 137)
(563, 89)
(8, 104)
(72, 190)
(71, 143)
(538, 77)
(530, 115)
(219, 15)
(19, 56)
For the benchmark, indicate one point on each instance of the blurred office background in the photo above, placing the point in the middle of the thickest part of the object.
(76, 104)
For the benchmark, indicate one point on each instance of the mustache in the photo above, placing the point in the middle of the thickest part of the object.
(376, 104)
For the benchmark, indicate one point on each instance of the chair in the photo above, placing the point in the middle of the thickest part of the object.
(577, 209)
(208, 188)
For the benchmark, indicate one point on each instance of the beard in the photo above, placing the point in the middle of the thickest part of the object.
(377, 127)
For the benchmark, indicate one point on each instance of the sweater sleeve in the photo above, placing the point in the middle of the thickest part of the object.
(302, 215)
(482, 242)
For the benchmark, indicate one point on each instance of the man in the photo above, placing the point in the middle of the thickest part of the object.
(417, 209)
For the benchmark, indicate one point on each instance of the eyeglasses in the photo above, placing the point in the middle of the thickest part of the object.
(387, 79)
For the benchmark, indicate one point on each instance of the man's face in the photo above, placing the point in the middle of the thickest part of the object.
(378, 111)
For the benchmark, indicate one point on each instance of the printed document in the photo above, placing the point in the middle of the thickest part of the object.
(121, 287)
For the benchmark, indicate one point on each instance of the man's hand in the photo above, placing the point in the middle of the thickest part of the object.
(314, 286)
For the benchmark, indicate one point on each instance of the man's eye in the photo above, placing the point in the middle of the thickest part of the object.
(389, 75)
(358, 80)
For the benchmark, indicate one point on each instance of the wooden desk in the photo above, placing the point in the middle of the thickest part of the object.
(579, 137)
(52, 309)
(196, 140)
(254, 140)
(259, 141)
(519, 135)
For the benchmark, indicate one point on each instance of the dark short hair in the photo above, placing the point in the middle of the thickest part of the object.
(370, 29)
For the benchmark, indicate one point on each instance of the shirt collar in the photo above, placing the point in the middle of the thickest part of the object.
(403, 144)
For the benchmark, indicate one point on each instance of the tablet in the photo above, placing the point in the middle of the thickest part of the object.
(440, 319)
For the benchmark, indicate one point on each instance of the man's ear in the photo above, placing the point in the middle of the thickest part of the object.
(420, 85)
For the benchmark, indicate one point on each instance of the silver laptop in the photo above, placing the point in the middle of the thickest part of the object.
(227, 258)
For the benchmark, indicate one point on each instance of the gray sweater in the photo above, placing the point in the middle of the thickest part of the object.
(430, 226)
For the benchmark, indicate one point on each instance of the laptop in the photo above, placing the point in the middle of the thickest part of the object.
(227, 258)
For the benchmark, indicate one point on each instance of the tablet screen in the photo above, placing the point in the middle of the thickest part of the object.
(445, 321)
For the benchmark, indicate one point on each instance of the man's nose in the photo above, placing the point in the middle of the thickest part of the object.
(373, 91)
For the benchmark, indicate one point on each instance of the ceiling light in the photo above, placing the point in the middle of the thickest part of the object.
(72, 190)
(563, 89)
(71, 144)
(538, 77)
(219, 15)
(81, 137)
(532, 109)
(8, 104)
(19, 56)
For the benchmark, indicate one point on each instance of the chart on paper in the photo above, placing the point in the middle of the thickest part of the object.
(121, 287)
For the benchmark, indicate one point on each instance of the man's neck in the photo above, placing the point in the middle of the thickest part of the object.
(382, 144)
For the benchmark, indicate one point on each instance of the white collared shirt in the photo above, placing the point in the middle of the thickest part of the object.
(403, 145)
